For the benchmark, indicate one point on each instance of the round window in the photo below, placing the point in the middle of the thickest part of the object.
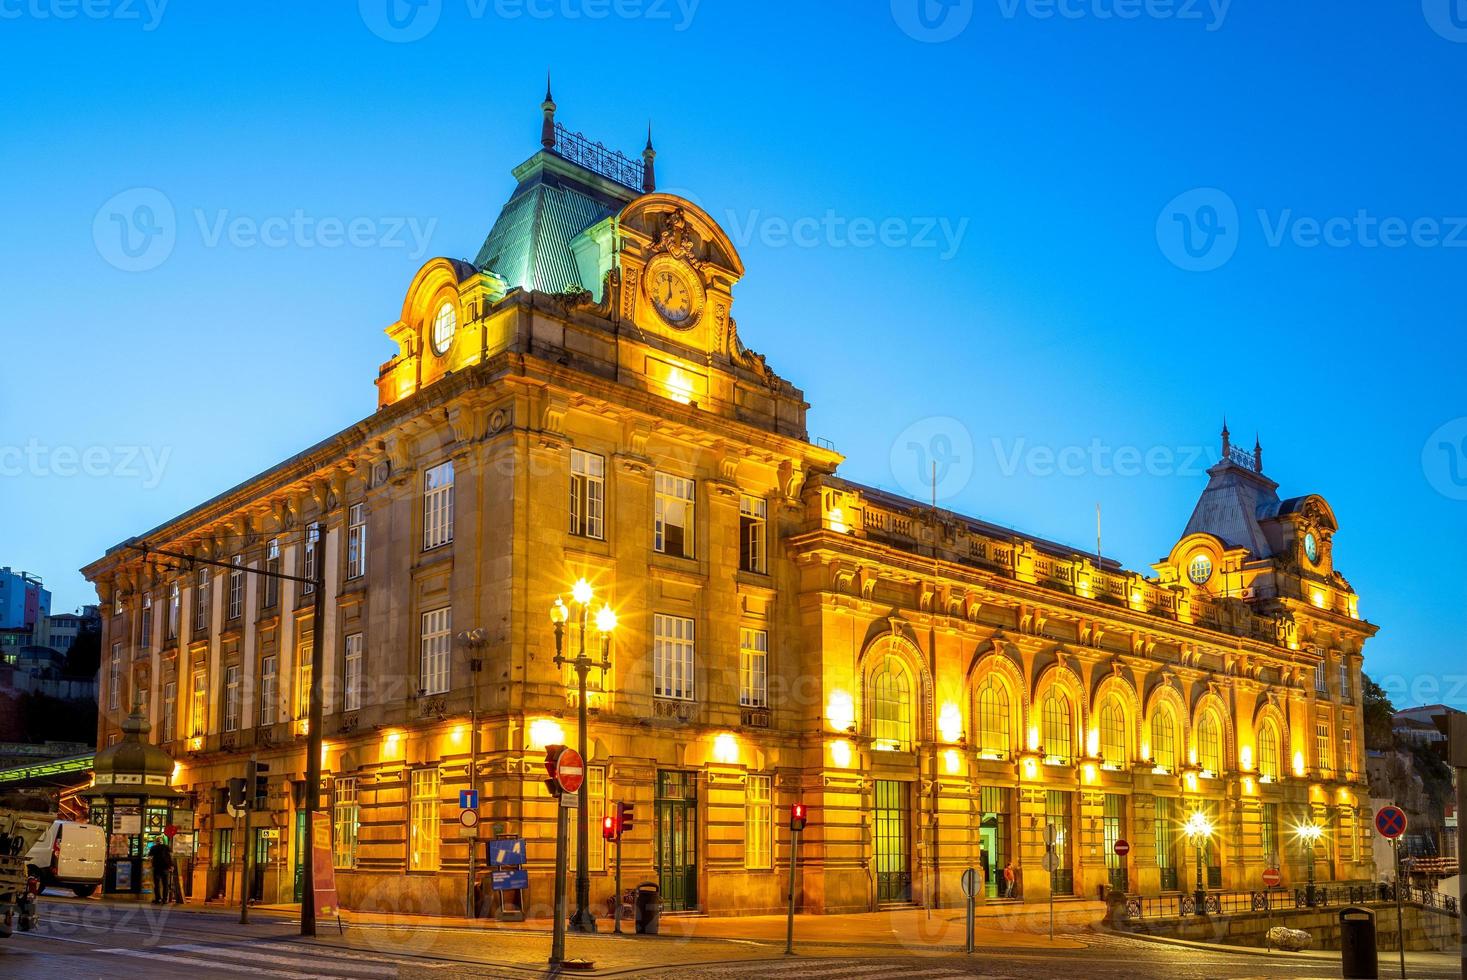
(443, 326)
(1200, 570)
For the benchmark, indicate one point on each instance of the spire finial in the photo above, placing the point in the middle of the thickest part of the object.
(547, 127)
(1227, 439)
(649, 171)
(1257, 454)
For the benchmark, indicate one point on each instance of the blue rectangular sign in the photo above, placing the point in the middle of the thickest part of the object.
(508, 852)
(468, 799)
(508, 880)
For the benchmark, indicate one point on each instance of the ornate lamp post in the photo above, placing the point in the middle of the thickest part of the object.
(1309, 835)
(582, 920)
(1199, 831)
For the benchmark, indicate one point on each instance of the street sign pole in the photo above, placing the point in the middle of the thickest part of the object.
(1050, 863)
(557, 937)
(789, 929)
(244, 877)
(970, 884)
(617, 902)
(1400, 912)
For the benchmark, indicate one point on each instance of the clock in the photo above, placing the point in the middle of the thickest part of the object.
(674, 291)
(1311, 547)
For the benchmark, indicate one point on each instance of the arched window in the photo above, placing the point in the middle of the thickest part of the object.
(891, 695)
(1209, 743)
(993, 718)
(1270, 760)
(1057, 726)
(1113, 741)
(1163, 739)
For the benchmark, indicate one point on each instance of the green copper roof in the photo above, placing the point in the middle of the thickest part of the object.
(530, 244)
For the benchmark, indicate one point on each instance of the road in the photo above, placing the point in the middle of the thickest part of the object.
(87, 939)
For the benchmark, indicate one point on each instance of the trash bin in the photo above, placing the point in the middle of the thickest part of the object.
(648, 908)
(1358, 957)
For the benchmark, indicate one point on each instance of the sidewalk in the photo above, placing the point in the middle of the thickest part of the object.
(1388, 958)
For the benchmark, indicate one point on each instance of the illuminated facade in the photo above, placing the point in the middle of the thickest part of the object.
(938, 690)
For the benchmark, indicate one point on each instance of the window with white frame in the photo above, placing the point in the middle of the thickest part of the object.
(173, 609)
(145, 627)
(672, 657)
(170, 712)
(587, 494)
(1345, 692)
(1322, 745)
(423, 820)
(271, 592)
(438, 505)
(309, 555)
(231, 698)
(198, 713)
(444, 324)
(347, 817)
(1320, 684)
(201, 600)
(673, 534)
(356, 541)
(759, 822)
(1347, 747)
(303, 665)
(114, 678)
(433, 671)
(351, 677)
(595, 810)
(236, 587)
(753, 529)
(268, 690)
(753, 668)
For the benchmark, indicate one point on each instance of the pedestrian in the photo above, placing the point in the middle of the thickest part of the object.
(984, 864)
(1010, 878)
(161, 858)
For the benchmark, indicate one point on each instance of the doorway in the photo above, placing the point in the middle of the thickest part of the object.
(893, 842)
(677, 839)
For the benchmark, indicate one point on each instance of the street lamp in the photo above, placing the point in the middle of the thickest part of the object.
(583, 920)
(1199, 831)
(1309, 835)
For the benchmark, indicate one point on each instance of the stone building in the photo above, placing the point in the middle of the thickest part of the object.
(939, 690)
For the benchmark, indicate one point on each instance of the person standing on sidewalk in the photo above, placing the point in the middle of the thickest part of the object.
(160, 855)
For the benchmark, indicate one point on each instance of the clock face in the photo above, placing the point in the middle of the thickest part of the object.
(672, 297)
(1311, 547)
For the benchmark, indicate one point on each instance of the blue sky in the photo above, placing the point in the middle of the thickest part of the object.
(1019, 226)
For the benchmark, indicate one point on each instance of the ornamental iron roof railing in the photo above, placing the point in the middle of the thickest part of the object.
(598, 158)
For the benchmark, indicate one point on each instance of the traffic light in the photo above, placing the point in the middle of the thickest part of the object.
(552, 764)
(608, 827)
(259, 781)
(623, 818)
(797, 816)
(237, 792)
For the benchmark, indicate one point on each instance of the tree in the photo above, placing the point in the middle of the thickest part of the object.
(1379, 726)
(84, 659)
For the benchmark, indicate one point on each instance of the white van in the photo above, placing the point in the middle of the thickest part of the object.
(70, 855)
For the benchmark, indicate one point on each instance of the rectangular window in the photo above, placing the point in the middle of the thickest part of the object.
(1057, 817)
(753, 527)
(423, 826)
(356, 541)
(114, 678)
(672, 657)
(753, 668)
(303, 664)
(236, 587)
(1322, 746)
(438, 505)
(595, 810)
(433, 668)
(271, 591)
(1269, 834)
(223, 846)
(1347, 747)
(173, 609)
(346, 817)
(117, 603)
(198, 713)
(352, 673)
(674, 514)
(759, 823)
(201, 600)
(170, 712)
(1114, 827)
(145, 630)
(267, 690)
(231, 699)
(587, 493)
(308, 559)
(1345, 694)
(1320, 684)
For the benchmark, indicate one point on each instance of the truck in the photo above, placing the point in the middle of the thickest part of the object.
(24, 817)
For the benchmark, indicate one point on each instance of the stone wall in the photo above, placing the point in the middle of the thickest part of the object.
(1426, 929)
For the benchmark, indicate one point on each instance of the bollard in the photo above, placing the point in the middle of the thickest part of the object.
(1358, 958)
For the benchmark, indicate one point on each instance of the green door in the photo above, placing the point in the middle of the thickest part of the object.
(677, 840)
(893, 843)
(301, 849)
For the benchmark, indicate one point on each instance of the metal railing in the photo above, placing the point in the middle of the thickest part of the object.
(1324, 896)
(598, 158)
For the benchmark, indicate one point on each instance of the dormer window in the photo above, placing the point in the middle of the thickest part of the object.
(443, 327)
(1200, 570)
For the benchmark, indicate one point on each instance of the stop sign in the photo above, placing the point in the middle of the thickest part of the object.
(1122, 848)
(570, 770)
(1272, 878)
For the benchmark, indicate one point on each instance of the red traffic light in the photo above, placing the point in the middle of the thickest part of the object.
(797, 816)
(623, 818)
(552, 766)
(608, 827)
